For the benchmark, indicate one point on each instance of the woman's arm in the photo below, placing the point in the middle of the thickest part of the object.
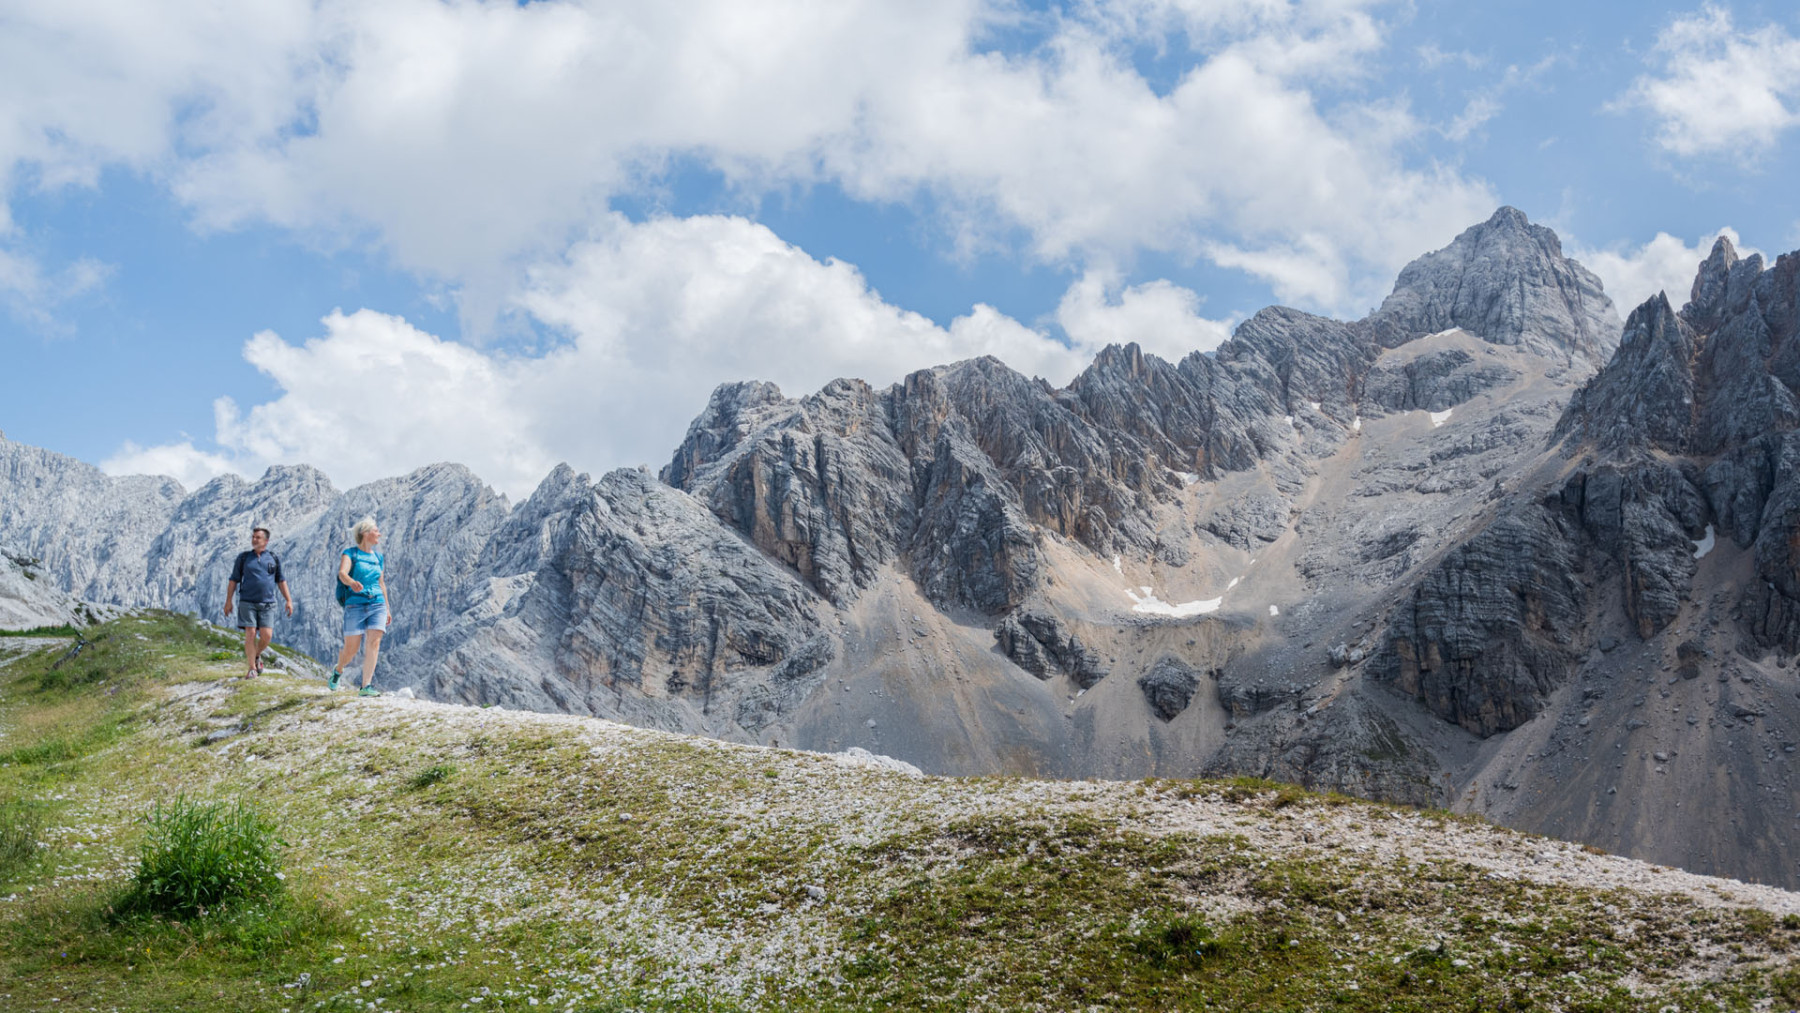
(344, 574)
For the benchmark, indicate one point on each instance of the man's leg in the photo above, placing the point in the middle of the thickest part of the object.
(266, 635)
(369, 656)
(250, 649)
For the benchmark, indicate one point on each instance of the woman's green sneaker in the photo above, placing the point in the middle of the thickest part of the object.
(331, 686)
(368, 691)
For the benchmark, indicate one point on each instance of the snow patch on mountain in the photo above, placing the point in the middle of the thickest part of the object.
(1705, 544)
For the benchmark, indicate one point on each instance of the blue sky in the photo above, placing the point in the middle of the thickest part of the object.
(405, 231)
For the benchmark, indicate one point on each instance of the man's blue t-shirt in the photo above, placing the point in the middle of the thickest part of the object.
(257, 576)
(366, 568)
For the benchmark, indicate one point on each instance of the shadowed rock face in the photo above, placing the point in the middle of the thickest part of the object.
(1637, 593)
(1716, 387)
(1430, 556)
(1035, 641)
(820, 484)
(1486, 635)
(1169, 687)
(1644, 398)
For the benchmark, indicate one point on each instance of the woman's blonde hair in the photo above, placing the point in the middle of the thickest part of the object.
(363, 527)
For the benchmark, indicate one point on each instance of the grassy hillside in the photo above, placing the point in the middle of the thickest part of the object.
(453, 858)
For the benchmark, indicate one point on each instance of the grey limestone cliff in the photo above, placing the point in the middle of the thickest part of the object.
(634, 604)
(91, 532)
(30, 599)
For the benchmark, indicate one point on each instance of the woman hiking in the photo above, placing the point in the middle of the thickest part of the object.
(366, 615)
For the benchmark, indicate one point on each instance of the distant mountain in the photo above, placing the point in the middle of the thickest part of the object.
(29, 600)
(1461, 552)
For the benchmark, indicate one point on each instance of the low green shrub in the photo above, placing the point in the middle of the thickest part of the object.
(68, 678)
(198, 856)
(430, 776)
(1181, 941)
(19, 829)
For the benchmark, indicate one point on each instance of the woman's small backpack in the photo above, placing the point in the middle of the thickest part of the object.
(343, 589)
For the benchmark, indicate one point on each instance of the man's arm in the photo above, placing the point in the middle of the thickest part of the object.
(281, 582)
(231, 585)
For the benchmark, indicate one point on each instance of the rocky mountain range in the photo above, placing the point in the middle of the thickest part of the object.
(1485, 548)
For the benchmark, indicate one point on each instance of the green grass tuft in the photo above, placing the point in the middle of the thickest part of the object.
(1786, 986)
(199, 856)
(19, 829)
(43, 631)
(430, 776)
(56, 679)
(1182, 941)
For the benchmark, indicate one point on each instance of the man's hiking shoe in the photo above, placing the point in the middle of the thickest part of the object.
(259, 666)
(368, 691)
(332, 684)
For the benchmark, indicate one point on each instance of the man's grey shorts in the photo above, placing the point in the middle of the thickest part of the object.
(258, 615)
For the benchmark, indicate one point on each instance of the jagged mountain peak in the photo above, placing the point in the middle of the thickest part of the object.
(279, 486)
(1717, 262)
(1506, 281)
(1721, 373)
(439, 471)
(294, 473)
(1648, 320)
(1722, 287)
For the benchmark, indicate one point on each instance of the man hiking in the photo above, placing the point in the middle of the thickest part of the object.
(255, 578)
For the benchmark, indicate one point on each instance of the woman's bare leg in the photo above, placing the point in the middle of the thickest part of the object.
(349, 651)
(369, 656)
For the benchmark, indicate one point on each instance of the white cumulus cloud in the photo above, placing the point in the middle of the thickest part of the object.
(375, 393)
(182, 461)
(654, 316)
(1716, 89)
(1162, 318)
(472, 139)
